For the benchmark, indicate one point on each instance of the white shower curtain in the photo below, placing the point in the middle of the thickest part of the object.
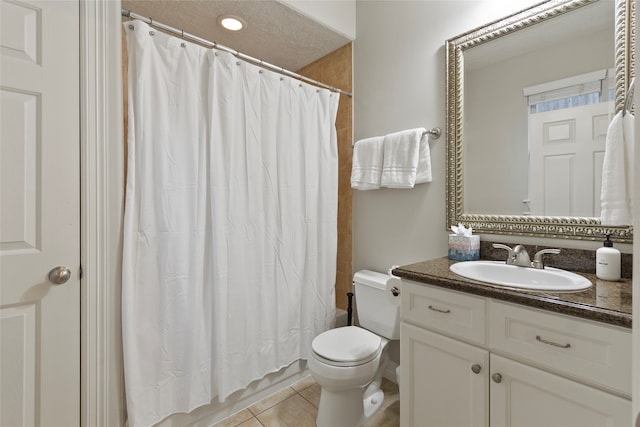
(230, 228)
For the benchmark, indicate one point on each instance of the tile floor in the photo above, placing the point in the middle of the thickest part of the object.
(297, 405)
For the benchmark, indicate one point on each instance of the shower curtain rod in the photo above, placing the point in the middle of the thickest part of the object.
(236, 53)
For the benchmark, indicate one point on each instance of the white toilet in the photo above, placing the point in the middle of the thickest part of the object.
(348, 362)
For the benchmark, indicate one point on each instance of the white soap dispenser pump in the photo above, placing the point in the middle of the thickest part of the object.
(608, 261)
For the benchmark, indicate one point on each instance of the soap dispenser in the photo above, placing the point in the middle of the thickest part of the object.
(608, 261)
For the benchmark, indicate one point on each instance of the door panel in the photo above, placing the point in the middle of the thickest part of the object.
(439, 386)
(40, 213)
(528, 397)
(566, 154)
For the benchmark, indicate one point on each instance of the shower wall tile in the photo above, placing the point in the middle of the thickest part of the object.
(335, 69)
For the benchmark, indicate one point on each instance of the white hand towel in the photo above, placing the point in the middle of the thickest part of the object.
(366, 166)
(401, 152)
(423, 174)
(616, 197)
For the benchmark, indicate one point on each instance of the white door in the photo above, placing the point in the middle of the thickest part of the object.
(566, 150)
(523, 396)
(39, 213)
(444, 382)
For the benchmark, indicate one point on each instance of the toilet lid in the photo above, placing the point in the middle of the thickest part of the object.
(347, 344)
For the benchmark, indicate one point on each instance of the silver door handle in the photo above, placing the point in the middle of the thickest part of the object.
(59, 275)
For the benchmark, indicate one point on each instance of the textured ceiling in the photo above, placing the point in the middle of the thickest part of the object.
(274, 32)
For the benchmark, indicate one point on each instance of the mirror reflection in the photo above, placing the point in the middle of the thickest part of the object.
(539, 148)
(529, 100)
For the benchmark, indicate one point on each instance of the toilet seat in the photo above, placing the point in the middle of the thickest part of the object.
(346, 346)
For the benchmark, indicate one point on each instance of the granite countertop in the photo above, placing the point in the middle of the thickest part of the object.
(608, 302)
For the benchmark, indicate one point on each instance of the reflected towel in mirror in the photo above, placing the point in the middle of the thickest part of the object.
(616, 197)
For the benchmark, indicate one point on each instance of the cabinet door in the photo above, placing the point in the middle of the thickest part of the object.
(439, 383)
(527, 397)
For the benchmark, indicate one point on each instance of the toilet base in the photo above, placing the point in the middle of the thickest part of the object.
(350, 407)
(373, 403)
(346, 408)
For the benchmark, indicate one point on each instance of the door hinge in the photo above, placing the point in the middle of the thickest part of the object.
(80, 272)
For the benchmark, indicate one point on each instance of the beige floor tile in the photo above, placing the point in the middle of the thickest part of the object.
(307, 381)
(312, 394)
(292, 412)
(235, 419)
(271, 400)
(251, 422)
(287, 408)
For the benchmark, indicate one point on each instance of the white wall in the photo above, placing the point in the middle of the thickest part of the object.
(399, 83)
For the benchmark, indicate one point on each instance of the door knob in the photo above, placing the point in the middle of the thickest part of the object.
(59, 275)
(476, 368)
(497, 378)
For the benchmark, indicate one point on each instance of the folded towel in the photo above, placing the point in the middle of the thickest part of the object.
(423, 174)
(366, 167)
(616, 197)
(401, 152)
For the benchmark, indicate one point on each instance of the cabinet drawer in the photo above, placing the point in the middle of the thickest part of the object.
(451, 313)
(589, 351)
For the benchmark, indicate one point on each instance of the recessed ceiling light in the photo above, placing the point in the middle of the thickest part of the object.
(230, 22)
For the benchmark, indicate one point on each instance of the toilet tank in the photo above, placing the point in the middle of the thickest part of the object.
(375, 312)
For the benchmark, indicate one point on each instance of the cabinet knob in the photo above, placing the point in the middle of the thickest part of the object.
(497, 378)
(476, 368)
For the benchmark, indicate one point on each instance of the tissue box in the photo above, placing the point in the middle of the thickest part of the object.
(464, 248)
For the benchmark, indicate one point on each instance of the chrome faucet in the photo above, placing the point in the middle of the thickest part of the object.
(520, 257)
(517, 256)
(537, 259)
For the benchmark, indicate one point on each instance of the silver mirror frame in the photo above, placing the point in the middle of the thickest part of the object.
(580, 228)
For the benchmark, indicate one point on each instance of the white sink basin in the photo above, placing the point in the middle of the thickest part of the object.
(499, 273)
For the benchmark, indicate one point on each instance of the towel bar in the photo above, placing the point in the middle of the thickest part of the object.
(434, 132)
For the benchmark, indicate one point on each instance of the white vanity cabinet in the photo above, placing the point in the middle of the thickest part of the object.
(445, 382)
(474, 361)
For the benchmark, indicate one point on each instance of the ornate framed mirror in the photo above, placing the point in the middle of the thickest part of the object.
(555, 72)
